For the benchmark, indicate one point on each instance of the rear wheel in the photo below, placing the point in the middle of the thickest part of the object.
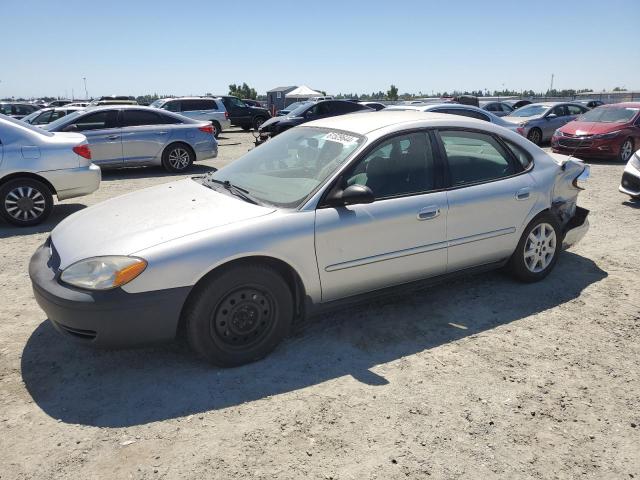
(538, 249)
(216, 128)
(626, 150)
(177, 158)
(535, 136)
(239, 315)
(25, 202)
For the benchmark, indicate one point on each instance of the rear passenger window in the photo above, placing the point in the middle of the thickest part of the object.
(172, 106)
(474, 157)
(523, 156)
(135, 118)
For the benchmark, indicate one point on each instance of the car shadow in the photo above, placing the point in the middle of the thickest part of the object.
(77, 384)
(132, 173)
(632, 203)
(59, 213)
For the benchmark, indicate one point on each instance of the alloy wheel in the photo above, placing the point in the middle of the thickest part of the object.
(25, 203)
(540, 248)
(179, 158)
(626, 150)
(535, 136)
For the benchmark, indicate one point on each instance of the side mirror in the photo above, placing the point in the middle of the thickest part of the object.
(352, 195)
(71, 128)
(551, 116)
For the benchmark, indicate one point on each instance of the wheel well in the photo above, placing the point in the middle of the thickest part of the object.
(216, 122)
(284, 269)
(33, 176)
(172, 144)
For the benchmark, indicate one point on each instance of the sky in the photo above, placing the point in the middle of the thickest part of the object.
(196, 47)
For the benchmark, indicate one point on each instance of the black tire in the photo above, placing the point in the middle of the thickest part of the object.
(535, 136)
(216, 128)
(626, 150)
(259, 120)
(524, 264)
(239, 315)
(177, 158)
(25, 202)
(246, 128)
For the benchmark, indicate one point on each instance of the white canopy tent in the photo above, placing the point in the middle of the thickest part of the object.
(301, 93)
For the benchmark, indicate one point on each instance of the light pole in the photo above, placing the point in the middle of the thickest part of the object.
(86, 94)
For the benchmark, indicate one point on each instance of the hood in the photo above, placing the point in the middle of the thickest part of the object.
(270, 124)
(511, 119)
(590, 128)
(130, 223)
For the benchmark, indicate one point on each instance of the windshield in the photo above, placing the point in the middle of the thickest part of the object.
(288, 168)
(610, 115)
(68, 119)
(530, 111)
(299, 110)
(33, 115)
(157, 103)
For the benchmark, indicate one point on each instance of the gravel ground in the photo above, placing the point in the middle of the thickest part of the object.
(476, 378)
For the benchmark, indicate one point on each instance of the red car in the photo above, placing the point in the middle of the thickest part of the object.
(609, 131)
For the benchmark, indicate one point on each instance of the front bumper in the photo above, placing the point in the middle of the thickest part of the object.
(630, 183)
(577, 228)
(74, 182)
(112, 318)
(588, 148)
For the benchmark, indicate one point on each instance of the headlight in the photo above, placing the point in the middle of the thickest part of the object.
(608, 135)
(635, 161)
(103, 273)
(522, 124)
(558, 133)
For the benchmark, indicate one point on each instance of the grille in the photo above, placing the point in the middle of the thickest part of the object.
(574, 142)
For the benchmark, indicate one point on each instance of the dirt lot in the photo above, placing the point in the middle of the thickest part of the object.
(478, 378)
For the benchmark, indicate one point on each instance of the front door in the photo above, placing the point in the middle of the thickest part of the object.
(488, 198)
(398, 238)
(104, 136)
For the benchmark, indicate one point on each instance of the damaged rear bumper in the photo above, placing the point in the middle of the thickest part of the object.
(576, 228)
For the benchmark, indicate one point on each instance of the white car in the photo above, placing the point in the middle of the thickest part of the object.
(35, 165)
(324, 212)
(630, 183)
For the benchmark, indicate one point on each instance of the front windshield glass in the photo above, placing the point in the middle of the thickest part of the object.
(33, 115)
(610, 115)
(530, 111)
(63, 120)
(299, 110)
(157, 104)
(289, 167)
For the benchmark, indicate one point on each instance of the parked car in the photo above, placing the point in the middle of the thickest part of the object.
(336, 208)
(48, 115)
(243, 115)
(610, 131)
(114, 100)
(306, 112)
(17, 110)
(58, 103)
(630, 183)
(77, 104)
(290, 108)
(538, 121)
(125, 136)
(377, 106)
(198, 108)
(515, 104)
(589, 103)
(499, 109)
(36, 165)
(458, 109)
(320, 98)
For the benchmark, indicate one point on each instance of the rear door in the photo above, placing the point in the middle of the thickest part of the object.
(144, 135)
(103, 134)
(239, 112)
(489, 195)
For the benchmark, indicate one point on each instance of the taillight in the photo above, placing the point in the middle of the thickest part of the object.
(226, 115)
(520, 130)
(206, 129)
(83, 150)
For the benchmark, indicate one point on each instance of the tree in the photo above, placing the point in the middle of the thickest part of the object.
(242, 91)
(392, 93)
(619, 89)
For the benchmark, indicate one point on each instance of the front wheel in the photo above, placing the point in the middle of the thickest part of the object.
(239, 315)
(626, 150)
(535, 136)
(538, 249)
(25, 202)
(177, 158)
(258, 121)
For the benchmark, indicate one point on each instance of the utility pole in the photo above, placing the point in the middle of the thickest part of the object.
(86, 94)
(551, 87)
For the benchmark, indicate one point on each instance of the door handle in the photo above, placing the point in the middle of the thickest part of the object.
(523, 194)
(113, 137)
(162, 133)
(427, 213)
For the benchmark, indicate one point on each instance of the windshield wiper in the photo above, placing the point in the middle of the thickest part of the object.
(235, 190)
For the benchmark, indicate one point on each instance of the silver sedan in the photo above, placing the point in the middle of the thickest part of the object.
(127, 136)
(36, 165)
(538, 121)
(324, 212)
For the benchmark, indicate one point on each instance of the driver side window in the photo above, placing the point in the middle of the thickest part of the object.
(402, 165)
(560, 110)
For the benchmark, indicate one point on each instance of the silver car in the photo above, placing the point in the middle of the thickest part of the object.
(330, 210)
(16, 109)
(458, 109)
(50, 114)
(198, 108)
(36, 165)
(538, 121)
(127, 135)
(630, 183)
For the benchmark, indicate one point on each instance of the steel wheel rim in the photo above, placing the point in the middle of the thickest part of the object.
(179, 158)
(627, 150)
(540, 248)
(244, 317)
(25, 203)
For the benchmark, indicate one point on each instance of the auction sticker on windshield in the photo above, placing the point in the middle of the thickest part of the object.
(340, 138)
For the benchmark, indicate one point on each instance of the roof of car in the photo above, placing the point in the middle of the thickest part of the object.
(620, 105)
(366, 122)
(188, 98)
